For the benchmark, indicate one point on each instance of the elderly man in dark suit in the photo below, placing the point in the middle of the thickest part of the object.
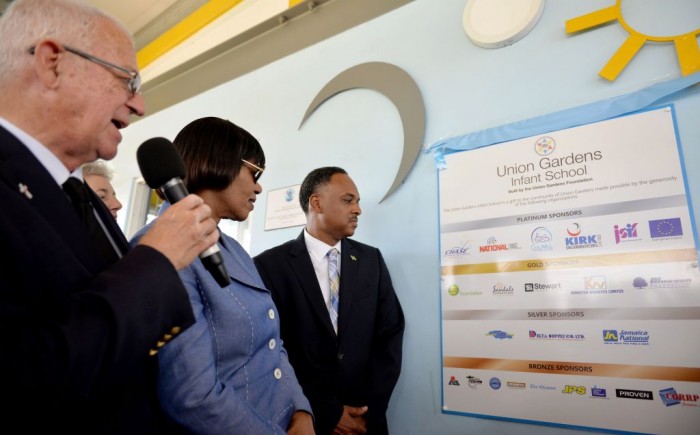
(341, 322)
(82, 315)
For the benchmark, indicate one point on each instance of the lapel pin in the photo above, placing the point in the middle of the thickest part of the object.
(23, 189)
(353, 258)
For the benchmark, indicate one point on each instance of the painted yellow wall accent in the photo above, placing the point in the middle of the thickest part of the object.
(210, 11)
(686, 44)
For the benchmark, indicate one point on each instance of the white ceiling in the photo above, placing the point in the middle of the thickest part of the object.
(135, 14)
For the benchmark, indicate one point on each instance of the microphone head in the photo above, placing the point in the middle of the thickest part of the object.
(159, 162)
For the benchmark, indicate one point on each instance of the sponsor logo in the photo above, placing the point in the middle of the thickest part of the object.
(545, 146)
(542, 387)
(596, 285)
(627, 233)
(453, 381)
(455, 290)
(626, 337)
(541, 239)
(501, 289)
(665, 228)
(670, 397)
(659, 282)
(473, 381)
(634, 394)
(458, 251)
(576, 240)
(500, 335)
(542, 287)
(599, 392)
(495, 383)
(571, 389)
(516, 385)
(639, 282)
(492, 245)
(534, 335)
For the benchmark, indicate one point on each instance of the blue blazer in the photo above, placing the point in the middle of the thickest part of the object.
(76, 332)
(229, 373)
(360, 365)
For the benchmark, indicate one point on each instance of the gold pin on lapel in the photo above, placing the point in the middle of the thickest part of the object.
(23, 189)
(353, 258)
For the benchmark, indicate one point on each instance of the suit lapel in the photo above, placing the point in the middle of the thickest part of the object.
(23, 173)
(349, 263)
(300, 263)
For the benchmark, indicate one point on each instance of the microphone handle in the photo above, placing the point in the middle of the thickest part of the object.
(174, 190)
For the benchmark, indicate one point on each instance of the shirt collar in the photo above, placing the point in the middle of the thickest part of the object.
(317, 249)
(47, 159)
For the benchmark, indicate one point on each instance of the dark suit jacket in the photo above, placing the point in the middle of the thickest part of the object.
(359, 366)
(75, 333)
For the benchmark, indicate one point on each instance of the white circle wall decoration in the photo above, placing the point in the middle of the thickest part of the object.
(499, 23)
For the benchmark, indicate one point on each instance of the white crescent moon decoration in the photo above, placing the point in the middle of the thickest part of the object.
(399, 87)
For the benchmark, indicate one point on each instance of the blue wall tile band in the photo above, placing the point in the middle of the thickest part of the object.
(588, 113)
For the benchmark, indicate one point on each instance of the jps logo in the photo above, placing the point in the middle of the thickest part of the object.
(571, 389)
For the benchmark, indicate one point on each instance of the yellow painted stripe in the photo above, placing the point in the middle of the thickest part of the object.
(294, 2)
(210, 11)
(650, 257)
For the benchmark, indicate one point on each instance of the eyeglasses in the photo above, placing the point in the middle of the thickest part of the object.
(133, 82)
(258, 170)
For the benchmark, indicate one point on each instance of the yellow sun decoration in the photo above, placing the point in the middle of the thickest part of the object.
(686, 43)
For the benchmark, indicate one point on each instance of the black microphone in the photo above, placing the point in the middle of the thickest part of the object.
(162, 168)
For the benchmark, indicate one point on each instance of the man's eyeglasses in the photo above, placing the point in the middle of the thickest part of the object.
(133, 81)
(258, 170)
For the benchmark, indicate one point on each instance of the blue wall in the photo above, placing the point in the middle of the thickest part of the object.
(466, 89)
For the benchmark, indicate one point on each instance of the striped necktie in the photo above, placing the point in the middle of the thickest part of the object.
(334, 280)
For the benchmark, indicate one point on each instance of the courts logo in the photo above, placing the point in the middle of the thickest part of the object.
(545, 146)
(576, 240)
(626, 337)
(627, 233)
(458, 251)
(665, 229)
(670, 397)
(453, 381)
(500, 335)
(541, 239)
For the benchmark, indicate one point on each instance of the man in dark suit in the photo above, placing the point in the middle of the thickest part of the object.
(347, 355)
(81, 314)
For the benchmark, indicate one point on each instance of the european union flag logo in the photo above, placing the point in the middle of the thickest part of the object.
(665, 228)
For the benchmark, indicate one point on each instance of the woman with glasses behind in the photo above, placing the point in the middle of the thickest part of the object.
(228, 373)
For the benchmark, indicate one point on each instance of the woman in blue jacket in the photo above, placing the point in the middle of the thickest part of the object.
(229, 373)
